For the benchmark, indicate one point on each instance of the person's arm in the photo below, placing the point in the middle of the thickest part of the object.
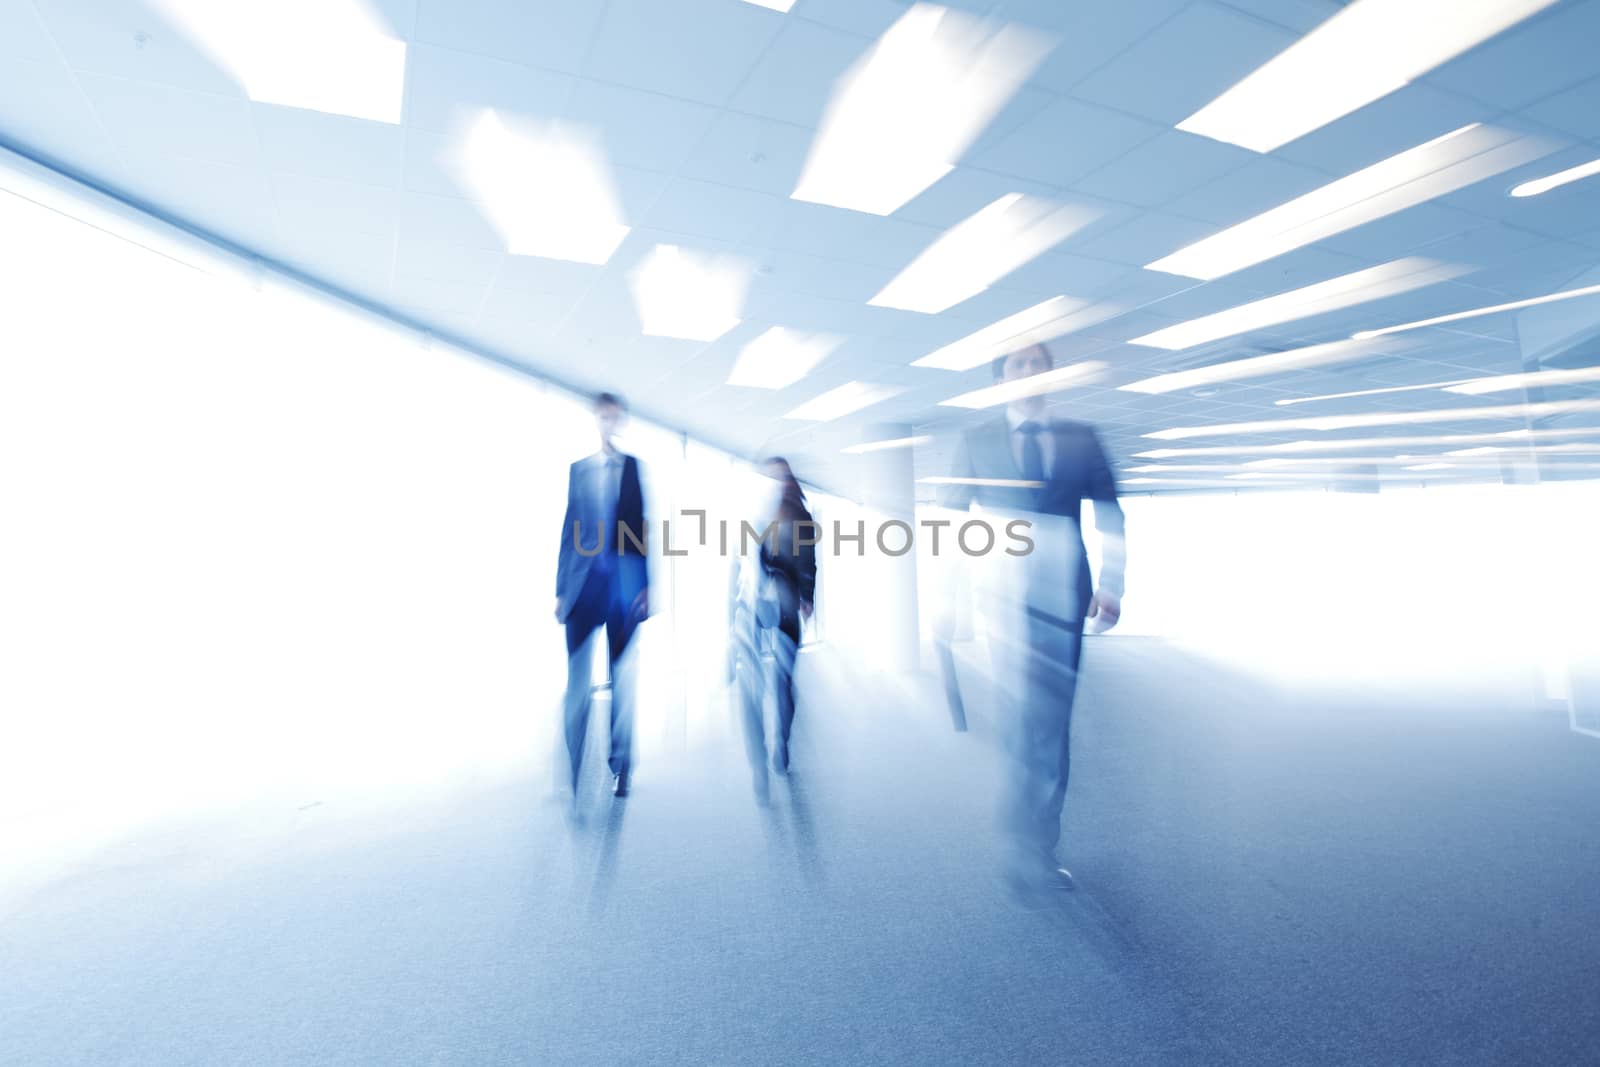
(565, 547)
(641, 603)
(806, 572)
(1109, 520)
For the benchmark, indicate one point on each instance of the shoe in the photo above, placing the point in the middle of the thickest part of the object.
(619, 784)
(1059, 878)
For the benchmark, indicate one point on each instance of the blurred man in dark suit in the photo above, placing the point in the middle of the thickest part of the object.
(602, 579)
(1027, 466)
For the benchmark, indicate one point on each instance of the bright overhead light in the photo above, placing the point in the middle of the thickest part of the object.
(847, 398)
(544, 187)
(1257, 366)
(1362, 54)
(904, 113)
(1387, 418)
(780, 357)
(688, 295)
(1486, 450)
(1363, 443)
(1419, 174)
(776, 5)
(1548, 298)
(1035, 385)
(1347, 290)
(1430, 467)
(1530, 380)
(1290, 401)
(978, 251)
(881, 446)
(1002, 483)
(1056, 317)
(334, 56)
(1560, 178)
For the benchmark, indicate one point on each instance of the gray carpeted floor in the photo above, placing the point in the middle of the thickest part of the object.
(1267, 877)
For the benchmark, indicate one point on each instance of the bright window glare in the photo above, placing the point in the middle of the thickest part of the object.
(902, 116)
(688, 295)
(334, 56)
(545, 187)
(1363, 53)
(978, 251)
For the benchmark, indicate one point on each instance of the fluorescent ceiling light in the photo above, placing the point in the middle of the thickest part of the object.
(1530, 380)
(1431, 467)
(1003, 483)
(1548, 298)
(1347, 290)
(780, 357)
(335, 56)
(1034, 385)
(688, 295)
(847, 398)
(1256, 366)
(1555, 181)
(1486, 450)
(544, 187)
(904, 113)
(1571, 448)
(1289, 401)
(1056, 317)
(1362, 54)
(978, 251)
(1364, 442)
(775, 5)
(880, 446)
(1388, 418)
(1419, 174)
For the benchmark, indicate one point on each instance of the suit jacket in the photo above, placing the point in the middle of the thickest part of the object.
(573, 566)
(1080, 472)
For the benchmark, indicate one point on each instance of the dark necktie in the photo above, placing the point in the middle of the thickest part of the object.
(1032, 453)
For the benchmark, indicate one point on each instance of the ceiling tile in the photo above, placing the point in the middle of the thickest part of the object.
(554, 34)
(1300, 16)
(1144, 238)
(148, 118)
(307, 205)
(865, 18)
(1553, 50)
(424, 260)
(1138, 80)
(447, 219)
(797, 76)
(22, 36)
(329, 146)
(1064, 142)
(536, 274)
(1575, 111)
(1088, 35)
(640, 129)
(695, 49)
(360, 263)
(1260, 185)
(426, 298)
(128, 39)
(1159, 170)
(820, 230)
(1404, 119)
(42, 110)
(234, 203)
(718, 212)
(446, 88)
(750, 153)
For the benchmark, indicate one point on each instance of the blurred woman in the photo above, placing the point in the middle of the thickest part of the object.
(789, 562)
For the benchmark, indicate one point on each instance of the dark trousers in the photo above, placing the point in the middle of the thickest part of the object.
(786, 644)
(600, 604)
(1041, 738)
